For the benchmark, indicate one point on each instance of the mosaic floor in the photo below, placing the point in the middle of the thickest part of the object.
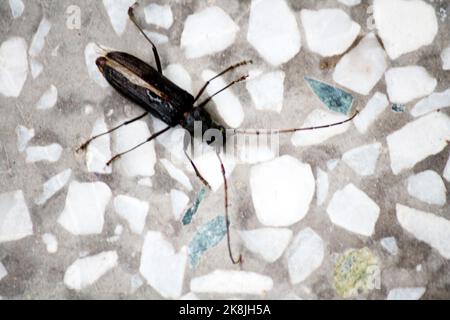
(353, 211)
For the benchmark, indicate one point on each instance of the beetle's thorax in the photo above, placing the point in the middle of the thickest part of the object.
(203, 119)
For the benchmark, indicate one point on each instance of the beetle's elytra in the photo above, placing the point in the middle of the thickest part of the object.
(148, 88)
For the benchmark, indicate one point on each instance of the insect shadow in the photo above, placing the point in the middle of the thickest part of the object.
(152, 91)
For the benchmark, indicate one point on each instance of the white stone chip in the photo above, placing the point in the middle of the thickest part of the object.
(85, 207)
(48, 99)
(406, 293)
(404, 25)
(13, 66)
(147, 182)
(435, 101)
(418, 140)
(273, 31)
(332, 164)
(209, 166)
(136, 282)
(322, 186)
(390, 244)
(157, 38)
(363, 160)
(159, 15)
(38, 42)
(24, 135)
(179, 75)
(445, 56)
(350, 3)
(405, 84)
(118, 13)
(329, 32)
(269, 243)
(55, 50)
(88, 109)
(161, 266)
(305, 255)
(362, 68)
(177, 174)
(172, 141)
(17, 7)
(91, 53)
(3, 271)
(118, 230)
(53, 185)
(98, 151)
(36, 67)
(267, 91)
(232, 282)
(282, 190)
(426, 227)
(319, 117)
(133, 210)
(353, 210)
(227, 103)
(15, 220)
(179, 201)
(446, 173)
(141, 161)
(84, 272)
(50, 242)
(251, 154)
(428, 186)
(50, 153)
(208, 31)
(376, 105)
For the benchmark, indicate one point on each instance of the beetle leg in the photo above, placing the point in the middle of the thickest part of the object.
(155, 51)
(197, 172)
(227, 220)
(84, 145)
(203, 180)
(234, 66)
(153, 136)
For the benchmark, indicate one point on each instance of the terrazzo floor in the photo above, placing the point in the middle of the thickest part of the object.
(355, 211)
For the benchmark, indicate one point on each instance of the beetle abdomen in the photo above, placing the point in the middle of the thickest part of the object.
(142, 84)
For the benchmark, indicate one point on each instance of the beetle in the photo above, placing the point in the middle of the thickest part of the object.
(151, 90)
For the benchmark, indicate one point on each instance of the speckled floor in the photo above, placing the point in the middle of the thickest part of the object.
(393, 242)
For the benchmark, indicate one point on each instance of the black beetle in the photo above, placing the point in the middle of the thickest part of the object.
(160, 97)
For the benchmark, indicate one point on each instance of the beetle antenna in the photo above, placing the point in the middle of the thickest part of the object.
(292, 130)
(221, 90)
(227, 220)
(230, 68)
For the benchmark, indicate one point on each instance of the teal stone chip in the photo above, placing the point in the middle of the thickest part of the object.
(334, 98)
(207, 236)
(399, 108)
(189, 214)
